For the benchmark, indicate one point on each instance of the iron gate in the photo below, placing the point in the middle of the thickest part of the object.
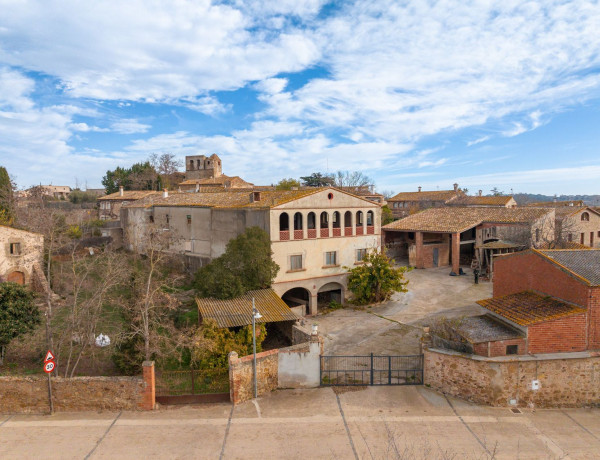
(192, 386)
(371, 370)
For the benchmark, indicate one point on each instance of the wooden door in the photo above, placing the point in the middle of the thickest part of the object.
(17, 277)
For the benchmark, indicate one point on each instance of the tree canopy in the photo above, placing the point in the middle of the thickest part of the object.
(287, 184)
(376, 279)
(6, 197)
(317, 180)
(140, 176)
(246, 265)
(18, 313)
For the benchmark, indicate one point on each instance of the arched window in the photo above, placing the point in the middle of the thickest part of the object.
(370, 223)
(336, 220)
(324, 222)
(359, 222)
(348, 219)
(311, 225)
(298, 221)
(585, 217)
(284, 222)
(298, 232)
(370, 218)
(191, 164)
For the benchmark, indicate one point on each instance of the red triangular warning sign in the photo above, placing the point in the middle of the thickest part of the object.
(49, 356)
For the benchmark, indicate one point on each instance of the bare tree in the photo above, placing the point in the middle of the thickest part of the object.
(166, 166)
(352, 179)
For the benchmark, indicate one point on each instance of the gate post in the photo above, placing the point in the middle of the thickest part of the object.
(389, 370)
(148, 401)
(371, 368)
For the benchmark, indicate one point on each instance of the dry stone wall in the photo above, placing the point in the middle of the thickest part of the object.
(566, 379)
(241, 381)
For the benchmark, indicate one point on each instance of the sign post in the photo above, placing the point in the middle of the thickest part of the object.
(49, 366)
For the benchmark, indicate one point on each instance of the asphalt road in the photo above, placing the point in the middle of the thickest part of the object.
(372, 423)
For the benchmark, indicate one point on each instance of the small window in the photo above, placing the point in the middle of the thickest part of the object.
(598, 234)
(570, 237)
(360, 254)
(296, 262)
(15, 249)
(331, 258)
(512, 349)
(585, 217)
(151, 219)
(189, 219)
(537, 235)
(167, 217)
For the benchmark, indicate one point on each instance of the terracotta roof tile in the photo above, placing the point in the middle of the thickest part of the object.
(482, 200)
(528, 307)
(459, 219)
(484, 328)
(439, 195)
(129, 195)
(238, 311)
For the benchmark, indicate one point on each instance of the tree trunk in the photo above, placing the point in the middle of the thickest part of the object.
(2, 352)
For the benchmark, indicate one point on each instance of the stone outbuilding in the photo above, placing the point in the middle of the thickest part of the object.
(21, 254)
(406, 203)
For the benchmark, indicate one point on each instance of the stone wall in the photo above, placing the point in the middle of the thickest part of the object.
(241, 382)
(26, 395)
(567, 379)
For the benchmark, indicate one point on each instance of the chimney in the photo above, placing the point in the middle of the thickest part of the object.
(480, 192)
(121, 190)
(456, 187)
(419, 188)
(197, 187)
(165, 193)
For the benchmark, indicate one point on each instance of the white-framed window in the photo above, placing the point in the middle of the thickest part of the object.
(296, 262)
(360, 254)
(331, 258)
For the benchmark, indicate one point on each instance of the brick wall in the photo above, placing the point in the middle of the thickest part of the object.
(498, 348)
(23, 395)
(594, 318)
(241, 382)
(526, 270)
(567, 380)
(559, 335)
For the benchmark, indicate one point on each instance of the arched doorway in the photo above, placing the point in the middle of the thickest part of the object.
(16, 277)
(330, 292)
(298, 300)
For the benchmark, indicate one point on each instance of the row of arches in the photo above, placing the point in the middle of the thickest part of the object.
(349, 221)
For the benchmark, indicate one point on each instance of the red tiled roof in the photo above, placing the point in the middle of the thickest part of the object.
(528, 307)
(439, 195)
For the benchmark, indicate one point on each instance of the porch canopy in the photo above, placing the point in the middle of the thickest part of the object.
(238, 311)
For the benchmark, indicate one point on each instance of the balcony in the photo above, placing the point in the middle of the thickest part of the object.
(359, 230)
(347, 231)
(370, 230)
(324, 233)
(284, 236)
(298, 234)
(312, 232)
(337, 232)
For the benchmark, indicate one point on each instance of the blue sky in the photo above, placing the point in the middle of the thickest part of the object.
(487, 94)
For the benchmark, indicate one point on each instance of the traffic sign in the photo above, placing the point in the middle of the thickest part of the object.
(49, 357)
(49, 366)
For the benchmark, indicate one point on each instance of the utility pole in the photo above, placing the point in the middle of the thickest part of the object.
(255, 315)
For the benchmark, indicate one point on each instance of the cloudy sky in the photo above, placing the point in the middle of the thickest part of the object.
(484, 93)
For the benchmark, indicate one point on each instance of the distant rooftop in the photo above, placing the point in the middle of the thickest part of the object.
(440, 195)
(459, 219)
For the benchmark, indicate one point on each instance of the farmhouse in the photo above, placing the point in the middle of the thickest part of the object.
(406, 203)
(20, 253)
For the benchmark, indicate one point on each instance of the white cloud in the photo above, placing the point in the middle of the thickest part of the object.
(478, 141)
(129, 126)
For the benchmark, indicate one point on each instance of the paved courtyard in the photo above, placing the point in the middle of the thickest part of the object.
(395, 326)
(372, 423)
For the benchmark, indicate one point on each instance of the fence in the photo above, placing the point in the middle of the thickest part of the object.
(189, 386)
(372, 370)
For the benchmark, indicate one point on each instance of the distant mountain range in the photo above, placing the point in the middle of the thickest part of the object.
(523, 198)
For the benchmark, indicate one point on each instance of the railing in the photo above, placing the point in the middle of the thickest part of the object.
(298, 234)
(324, 233)
(312, 233)
(347, 231)
(337, 232)
(284, 236)
(370, 230)
(359, 230)
(192, 382)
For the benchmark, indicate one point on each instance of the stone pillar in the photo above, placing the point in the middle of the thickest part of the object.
(419, 250)
(312, 304)
(148, 401)
(456, 252)
(364, 225)
(234, 379)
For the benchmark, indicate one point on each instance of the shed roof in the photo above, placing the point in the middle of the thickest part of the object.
(484, 328)
(459, 219)
(238, 311)
(585, 263)
(529, 307)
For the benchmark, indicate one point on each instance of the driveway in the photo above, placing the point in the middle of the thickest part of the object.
(373, 423)
(395, 327)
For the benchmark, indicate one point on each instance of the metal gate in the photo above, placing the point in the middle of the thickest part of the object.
(192, 386)
(371, 370)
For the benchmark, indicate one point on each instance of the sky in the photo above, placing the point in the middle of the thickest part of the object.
(487, 94)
